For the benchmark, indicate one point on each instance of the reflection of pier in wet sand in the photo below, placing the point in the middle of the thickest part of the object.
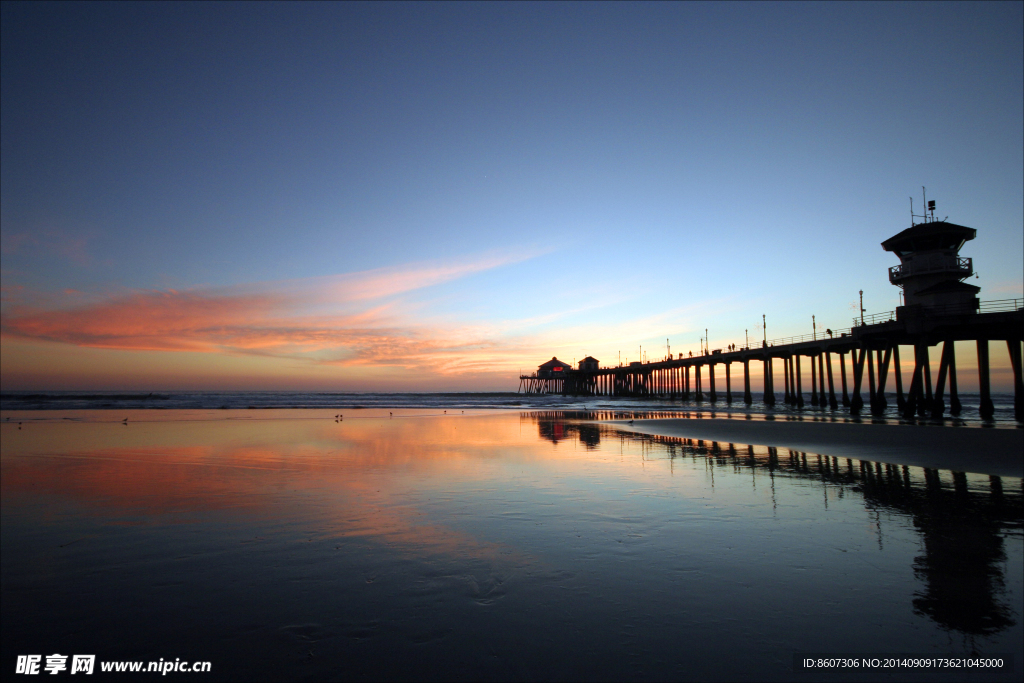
(961, 520)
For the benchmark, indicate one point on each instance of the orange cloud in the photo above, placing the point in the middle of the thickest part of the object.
(272, 319)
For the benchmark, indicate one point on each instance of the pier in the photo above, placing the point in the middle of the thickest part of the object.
(939, 310)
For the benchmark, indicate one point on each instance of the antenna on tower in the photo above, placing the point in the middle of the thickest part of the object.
(912, 224)
(924, 201)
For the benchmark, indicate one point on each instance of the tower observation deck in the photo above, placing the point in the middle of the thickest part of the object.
(931, 270)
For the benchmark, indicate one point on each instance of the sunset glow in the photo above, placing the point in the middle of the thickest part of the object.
(296, 215)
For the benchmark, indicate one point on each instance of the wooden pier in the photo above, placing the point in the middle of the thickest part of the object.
(940, 310)
(871, 349)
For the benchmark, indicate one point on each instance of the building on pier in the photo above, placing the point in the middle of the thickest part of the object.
(553, 369)
(589, 364)
(931, 270)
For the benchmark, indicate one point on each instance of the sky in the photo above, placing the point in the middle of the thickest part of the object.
(436, 197)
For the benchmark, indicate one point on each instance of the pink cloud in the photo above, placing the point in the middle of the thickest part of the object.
(268, 319)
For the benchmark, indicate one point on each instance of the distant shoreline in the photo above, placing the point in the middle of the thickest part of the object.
(998, 452)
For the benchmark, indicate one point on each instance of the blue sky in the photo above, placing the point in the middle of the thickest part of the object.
(540, 179)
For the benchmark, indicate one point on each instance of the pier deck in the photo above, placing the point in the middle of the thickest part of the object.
(873, 347)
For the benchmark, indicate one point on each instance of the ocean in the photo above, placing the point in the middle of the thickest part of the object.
(267, 400)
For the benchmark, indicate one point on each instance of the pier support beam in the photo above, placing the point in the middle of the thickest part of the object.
(1018, 382)
(747, 398)
(711, 382)
(897, 372)
(820, 360)
(883, 372)
(769, 390)
(842, 374)
(938, 406)
(914, 395)
(926, 405)
(856, 402)
(821, 379)
(832, 403)
(872, 396)
(799, 388)
(954, 396)
(786, 382)
(986, 408)
(814, 382)
(728, 383)
(700, 393)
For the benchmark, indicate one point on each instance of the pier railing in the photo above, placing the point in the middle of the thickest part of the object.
(781, 341)
(875, 318)
(995, 306)
(1001, 306)
(957, 265)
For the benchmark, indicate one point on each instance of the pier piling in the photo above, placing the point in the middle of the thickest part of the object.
(711, 382)
(898, 376)
(926, 405)
(938, 406)
(814, 383)
(842, 374)
(799, 387)
(954, 396)
(832, 403)
(821, 379)
(728, 383)
(986, 408)
(747, 398)
(787, 389)
(1018, 383)
(872, 395)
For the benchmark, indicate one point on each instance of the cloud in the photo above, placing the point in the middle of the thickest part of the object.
(72, 247)
(379, 283)
(274, 319)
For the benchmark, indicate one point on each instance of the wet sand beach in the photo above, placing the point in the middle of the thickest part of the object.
(992, 451)
(430, 544)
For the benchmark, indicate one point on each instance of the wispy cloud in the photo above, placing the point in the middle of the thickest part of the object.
(73, 247)
(276, 319)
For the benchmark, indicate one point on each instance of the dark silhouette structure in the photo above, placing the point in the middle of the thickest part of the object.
(939, 309)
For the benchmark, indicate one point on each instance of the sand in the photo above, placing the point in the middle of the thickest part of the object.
(980, 450)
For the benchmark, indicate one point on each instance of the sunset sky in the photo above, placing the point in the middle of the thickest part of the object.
(388, 197)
